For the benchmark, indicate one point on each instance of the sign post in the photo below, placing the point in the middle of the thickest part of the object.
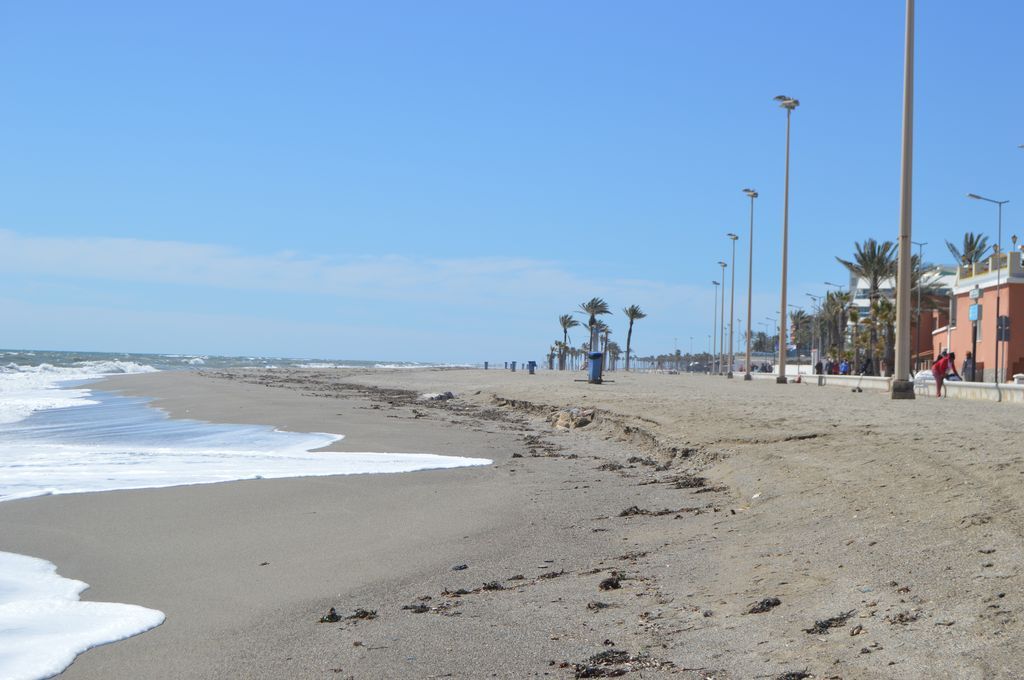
(974, 314)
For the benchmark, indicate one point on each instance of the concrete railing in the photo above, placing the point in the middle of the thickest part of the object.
(866, 382)
(978, 391)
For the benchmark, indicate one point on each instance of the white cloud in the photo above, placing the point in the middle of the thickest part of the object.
(462, 307)
(374, 277)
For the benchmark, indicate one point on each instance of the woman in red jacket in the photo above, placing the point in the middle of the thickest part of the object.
(945, 364)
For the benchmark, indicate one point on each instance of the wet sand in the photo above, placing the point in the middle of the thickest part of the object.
(700, 497)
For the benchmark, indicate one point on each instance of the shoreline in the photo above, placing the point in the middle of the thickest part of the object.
(824, 513)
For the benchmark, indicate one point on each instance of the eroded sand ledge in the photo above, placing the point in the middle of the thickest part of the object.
(907, 514)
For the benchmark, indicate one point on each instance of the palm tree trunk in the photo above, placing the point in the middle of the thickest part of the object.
(629, 338)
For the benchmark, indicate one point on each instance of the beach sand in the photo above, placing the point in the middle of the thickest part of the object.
(905, 516)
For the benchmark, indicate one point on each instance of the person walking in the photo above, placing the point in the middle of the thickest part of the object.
(944, 364)
(968, 367)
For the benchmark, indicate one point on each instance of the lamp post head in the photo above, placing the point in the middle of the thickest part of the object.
(750, 192)
(722, 264)
(716, 283)
(975, 197)
(732, 236)
(787, 102)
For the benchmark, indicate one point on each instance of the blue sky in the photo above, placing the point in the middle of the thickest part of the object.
(439, 181)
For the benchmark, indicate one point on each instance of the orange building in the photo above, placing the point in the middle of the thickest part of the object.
(977, 284)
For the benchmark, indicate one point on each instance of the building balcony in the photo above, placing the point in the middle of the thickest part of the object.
(1009, 262)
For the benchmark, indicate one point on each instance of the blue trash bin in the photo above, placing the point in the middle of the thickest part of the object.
(531, 366)
(594, 367)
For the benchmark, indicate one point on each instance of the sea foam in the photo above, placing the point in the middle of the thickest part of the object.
(72, 440)
(44, 626)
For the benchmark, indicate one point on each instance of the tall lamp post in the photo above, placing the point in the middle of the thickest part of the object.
(789, 104)
(721, 344)
(714, 326)
(920, 272)
(732, 301)
(999, 268)
(750, 279)
(902, 385)
(816, 329)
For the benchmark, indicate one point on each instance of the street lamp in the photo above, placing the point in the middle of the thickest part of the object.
(789, 104)
(750, 278)
(920, 267)
(714, 325)
(999, 260)
(732, 301)
(902, 385)
(721, 345)
(816, 329)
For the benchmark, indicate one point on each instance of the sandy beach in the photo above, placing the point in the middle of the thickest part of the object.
(689, 526)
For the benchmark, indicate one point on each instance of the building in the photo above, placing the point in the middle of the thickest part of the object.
(977, 284)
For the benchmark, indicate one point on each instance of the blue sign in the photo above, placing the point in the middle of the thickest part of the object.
(974, 313)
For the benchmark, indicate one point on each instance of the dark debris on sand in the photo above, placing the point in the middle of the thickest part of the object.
(417, 608)
(613, 663)
(610, 583)
(903, 618)
(633, 511)
(688, 482)
(822, 626)
(767, 604)
(794, 675)
(331, 616)
(362, 614)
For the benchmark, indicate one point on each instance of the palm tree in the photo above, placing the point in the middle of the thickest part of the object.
(835, 310)
(566, 321)
(974, 249)
(800, 322)
(875, 262)
(595, 307)
(633, 312)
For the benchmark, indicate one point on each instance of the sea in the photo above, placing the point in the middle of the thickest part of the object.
(60, 436)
